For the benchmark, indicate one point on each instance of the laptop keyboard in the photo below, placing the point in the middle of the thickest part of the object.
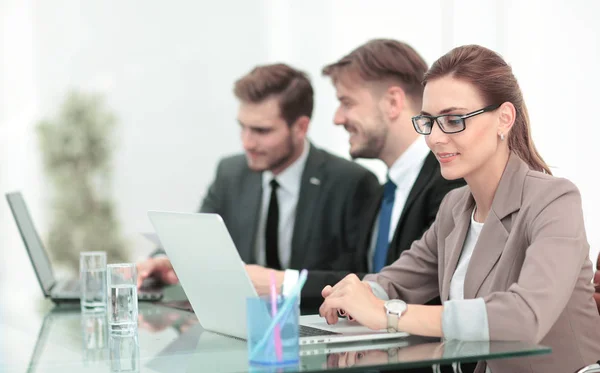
(73, 286)
(307, 331)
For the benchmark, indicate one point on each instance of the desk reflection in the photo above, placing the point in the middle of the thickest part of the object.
(170, 340)
(349, 359)
(161, 318)
(99, 345)
(94, 327)
(124, 353)
(69, 338)
(433, 352)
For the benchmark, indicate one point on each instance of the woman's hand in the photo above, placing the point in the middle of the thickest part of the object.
(357, 300)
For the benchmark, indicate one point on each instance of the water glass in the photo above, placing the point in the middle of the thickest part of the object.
(92, 278)
(122, 298)
(259, 317)
(124, 353)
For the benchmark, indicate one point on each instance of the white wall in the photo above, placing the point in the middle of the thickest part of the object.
(167, 71)
(19, 159)
(556, 58)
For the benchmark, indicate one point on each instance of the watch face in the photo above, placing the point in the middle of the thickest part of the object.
(395, 306)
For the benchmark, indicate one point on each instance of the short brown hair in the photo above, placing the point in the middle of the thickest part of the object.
(382, 59)
(487, 71)
(280, 80)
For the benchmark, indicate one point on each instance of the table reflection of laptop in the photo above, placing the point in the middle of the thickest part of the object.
(214, 278)
(59, 290)
(69, 340)
(200, 350)
(67, 337)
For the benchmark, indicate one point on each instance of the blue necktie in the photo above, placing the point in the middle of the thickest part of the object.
(383, 233)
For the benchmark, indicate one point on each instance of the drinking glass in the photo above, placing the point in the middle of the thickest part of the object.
(122, 298)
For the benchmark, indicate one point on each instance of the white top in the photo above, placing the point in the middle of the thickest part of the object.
(287, 198)
(403, 173)
(457, 285)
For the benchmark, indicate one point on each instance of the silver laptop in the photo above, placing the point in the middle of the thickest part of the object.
(62, 289)
(214, 278)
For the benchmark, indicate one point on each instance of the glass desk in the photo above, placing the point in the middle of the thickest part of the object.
(172, 340)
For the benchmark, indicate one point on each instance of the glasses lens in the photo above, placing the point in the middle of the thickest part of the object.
(422, 125)
(452, 123)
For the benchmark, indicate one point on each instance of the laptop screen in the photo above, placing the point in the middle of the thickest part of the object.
(33, 244)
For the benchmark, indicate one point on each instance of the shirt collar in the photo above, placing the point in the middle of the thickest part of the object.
(411, 159)
(289, 179)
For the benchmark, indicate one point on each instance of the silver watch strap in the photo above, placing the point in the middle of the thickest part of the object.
(392, 322)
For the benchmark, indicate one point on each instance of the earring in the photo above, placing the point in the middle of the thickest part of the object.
(501, 137)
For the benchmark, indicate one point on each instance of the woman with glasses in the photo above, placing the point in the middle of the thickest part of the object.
(508, 253)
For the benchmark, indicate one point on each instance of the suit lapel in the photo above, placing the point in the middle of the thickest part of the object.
(488, 249)
(249, 214)
(496, 228)
(310, 188)
(430, 167)
(453, 244)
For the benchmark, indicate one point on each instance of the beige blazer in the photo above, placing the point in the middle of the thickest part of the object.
(530, 265)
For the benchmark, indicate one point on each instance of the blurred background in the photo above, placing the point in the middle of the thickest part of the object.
(112, 108)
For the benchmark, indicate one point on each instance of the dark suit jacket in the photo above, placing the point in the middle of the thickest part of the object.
(326, 230)
(418, 214)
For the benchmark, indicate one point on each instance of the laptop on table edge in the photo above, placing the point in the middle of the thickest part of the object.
(58, 290)
(213, 276)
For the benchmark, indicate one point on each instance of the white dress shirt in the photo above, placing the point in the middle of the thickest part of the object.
(287, 199)
(403, 173)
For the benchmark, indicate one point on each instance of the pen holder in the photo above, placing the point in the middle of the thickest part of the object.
(285, 338)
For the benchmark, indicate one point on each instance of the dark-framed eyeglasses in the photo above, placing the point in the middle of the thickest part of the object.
(448, 123)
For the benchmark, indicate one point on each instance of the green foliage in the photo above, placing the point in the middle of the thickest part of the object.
(77, 146)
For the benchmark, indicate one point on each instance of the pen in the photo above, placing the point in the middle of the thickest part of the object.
(277, 331)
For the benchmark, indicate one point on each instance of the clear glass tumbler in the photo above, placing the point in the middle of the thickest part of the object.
(92, 277)
(122, 298)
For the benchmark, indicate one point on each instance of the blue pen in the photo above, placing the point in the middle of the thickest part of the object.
(282, 313)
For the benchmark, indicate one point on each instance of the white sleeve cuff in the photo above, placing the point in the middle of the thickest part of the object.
(465, 320)
(378, 290)
(290, 278)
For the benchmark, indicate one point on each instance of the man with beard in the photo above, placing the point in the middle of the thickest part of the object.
(286, 203)
(378, 86)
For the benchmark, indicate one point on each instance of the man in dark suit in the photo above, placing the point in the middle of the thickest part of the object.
(286, 203)
(379, 89)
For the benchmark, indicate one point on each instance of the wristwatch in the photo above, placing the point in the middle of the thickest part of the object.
(394, 309)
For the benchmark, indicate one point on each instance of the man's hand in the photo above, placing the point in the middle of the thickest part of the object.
(166, 319)
(260, 278)
(157, 323)
(160, 268)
